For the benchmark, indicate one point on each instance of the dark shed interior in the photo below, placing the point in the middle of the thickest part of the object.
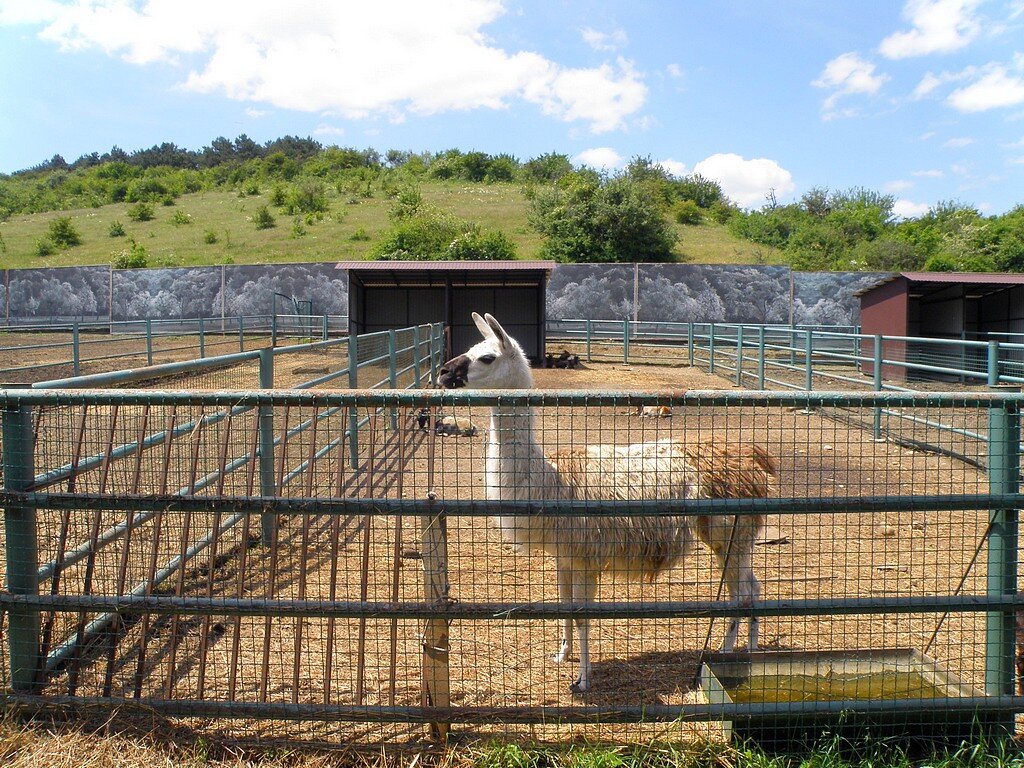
(941, 305)
(397, 294)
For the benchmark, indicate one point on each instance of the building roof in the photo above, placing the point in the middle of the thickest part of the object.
(997, 280)
(436, 273)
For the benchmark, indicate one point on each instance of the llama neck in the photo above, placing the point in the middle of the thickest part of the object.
(515, 463)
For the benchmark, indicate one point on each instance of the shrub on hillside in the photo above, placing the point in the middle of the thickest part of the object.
(62, 233)
(135, 256)
(263, 219)
(116, 229)
(687, 212)
(439, 237)
(141, 212)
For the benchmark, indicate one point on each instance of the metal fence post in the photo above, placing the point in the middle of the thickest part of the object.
(22, 549)
(241, 334)
(589, 331)
(325, 334)
(760, 357)
(149, 342)
(993, 363)
(625, 341)
(202, 338)
(416, 356)
(76, 352)
(1003, 478)
(739, 355)
(689, 342)
(876, 372)
(808, 367)
(273, 330)
(393, 372)
(353, 412)
(268, 482)
(711, 348)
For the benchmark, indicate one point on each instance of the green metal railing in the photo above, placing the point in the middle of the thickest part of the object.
(107, 346)
(31, 500)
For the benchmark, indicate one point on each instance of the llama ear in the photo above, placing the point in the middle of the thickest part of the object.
(483, 327)
(496, 329)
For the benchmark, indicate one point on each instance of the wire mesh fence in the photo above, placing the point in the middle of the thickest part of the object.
(237, 555)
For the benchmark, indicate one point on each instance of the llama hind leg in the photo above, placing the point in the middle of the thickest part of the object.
(564, 573)
(584, 589)
(744, 589)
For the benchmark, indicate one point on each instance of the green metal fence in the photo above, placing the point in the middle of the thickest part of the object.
(237, 555)
(33, 352)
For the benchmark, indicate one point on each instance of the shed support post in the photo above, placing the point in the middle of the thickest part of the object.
(416, 356)
(393, 372)
(22, 550)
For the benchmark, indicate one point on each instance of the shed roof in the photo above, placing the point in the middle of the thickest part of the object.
(995, 280)
(457, 273)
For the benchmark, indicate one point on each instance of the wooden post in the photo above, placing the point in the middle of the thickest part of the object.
(435, 691)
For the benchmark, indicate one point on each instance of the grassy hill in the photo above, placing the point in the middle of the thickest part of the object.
(347, 231)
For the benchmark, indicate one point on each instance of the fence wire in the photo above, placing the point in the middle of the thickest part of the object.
(241, 555)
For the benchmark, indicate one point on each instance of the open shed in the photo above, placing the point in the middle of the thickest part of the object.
(397, 294)
(940, 305)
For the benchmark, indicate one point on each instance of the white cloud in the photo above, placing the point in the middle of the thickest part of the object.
(847, 74)
(927, 135)
(995, 88)
(328, 130)
(897, 185)
(601, 41)
(1016, 160)
(673, 167)
(905, 209)
(928, 84)
(674, 70)
(746, 181)
(251, 112)
(407, 58)
(600, 158)
(937, 26)
(958, 142)
(932, 173)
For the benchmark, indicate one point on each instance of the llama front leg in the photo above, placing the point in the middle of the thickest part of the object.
(584, 588)
(564, 574)
(744, 589)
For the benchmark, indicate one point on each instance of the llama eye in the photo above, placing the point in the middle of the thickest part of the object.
(488, 359)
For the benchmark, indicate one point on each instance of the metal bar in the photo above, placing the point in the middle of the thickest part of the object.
(364, 569)
(595, 714)
(266, 444)
(397, 558)
(1004, 476)
(353, 416)
(258, 505)
(21, 549)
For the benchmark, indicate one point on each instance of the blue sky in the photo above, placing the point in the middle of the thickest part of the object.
(923, 99)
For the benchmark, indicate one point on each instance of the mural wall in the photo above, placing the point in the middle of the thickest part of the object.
(650, 292)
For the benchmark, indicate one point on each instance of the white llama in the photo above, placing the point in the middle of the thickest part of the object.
(586, 546)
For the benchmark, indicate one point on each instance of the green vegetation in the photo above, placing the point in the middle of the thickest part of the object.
(346, 203)
(856, 230)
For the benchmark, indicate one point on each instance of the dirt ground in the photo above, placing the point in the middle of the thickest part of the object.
(502, 661)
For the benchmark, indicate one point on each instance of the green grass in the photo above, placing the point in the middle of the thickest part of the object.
(341, 234)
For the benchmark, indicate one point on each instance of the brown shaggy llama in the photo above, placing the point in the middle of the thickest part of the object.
(584, 547)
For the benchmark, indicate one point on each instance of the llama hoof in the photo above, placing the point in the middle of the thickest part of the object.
(577, 688)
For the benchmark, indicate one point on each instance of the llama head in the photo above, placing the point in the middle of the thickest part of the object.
(497, 362)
